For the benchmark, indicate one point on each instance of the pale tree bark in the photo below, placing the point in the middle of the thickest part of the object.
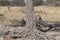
(30, 12)
(30, 16)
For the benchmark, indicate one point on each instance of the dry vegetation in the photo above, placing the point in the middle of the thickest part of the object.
(47, 14)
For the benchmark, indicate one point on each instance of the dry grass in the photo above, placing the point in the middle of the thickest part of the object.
(47, 13)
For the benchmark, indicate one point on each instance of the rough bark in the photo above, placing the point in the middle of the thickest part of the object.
(30, 16)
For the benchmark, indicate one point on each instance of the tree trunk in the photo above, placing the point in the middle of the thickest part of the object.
(31, 22)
